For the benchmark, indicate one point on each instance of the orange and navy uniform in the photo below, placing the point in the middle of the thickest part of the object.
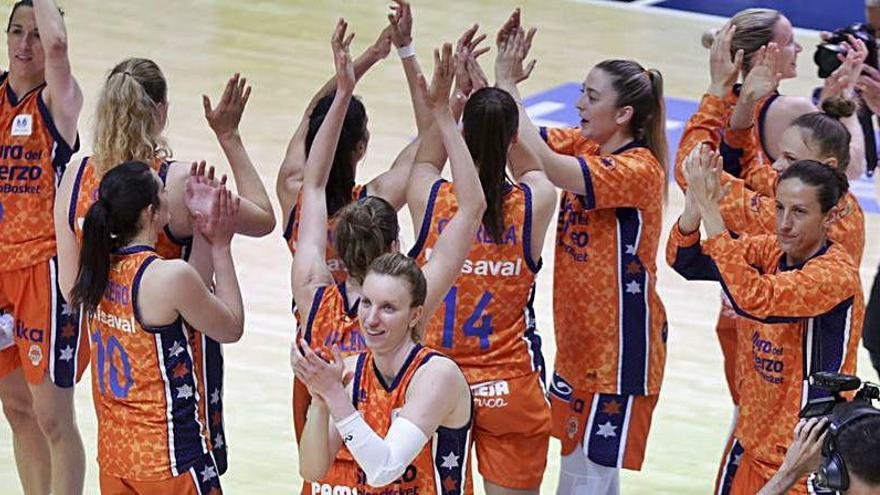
(488, 327)
(707, 125)
(442, 467)
(207, 353)
(795, 320)
(33, 157)
(144, 388)
(606, 246)
(749, 208)
(330, 321)
(291, 232)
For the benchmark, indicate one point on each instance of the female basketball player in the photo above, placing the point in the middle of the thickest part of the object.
(39, 111)
(609, 227)
(130, 117)
(364, 231)
(487, 324)
(798, 295)
(150, 439)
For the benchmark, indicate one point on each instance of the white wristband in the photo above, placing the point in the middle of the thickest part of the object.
(406, 51)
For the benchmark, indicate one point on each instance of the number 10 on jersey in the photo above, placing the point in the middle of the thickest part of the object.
(478, 324)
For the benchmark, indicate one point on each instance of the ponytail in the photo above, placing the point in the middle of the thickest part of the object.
(490, 122)
(110, 224)
(128, 123)
(655, 126)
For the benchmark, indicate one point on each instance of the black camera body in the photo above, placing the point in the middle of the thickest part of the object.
(833, 474)
(826, 53)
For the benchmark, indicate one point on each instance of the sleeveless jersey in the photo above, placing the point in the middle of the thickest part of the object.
(207, 354)
(85, 193)
(330, 321)
(604, 279)
(291, 232)
(33, 156)
(142, 382)
(487, 325)
(441, 467)
(794, 320)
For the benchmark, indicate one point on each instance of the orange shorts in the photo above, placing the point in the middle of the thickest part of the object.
(612, 428)
(200, 479)
(512, 431)
(725, 329)
(752, 475)
(47, 330)
(341, 479)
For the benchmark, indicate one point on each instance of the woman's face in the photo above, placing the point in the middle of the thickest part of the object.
(385, 313)
(796, 145)
(23, 46)
(597, 107)
(800, 222)
(783, 35)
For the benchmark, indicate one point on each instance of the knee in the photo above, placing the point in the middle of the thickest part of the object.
(55, 423)
(19, 412)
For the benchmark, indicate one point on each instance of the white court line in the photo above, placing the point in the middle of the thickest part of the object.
(648, 6)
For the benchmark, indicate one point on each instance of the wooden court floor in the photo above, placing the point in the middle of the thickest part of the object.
(282, 46)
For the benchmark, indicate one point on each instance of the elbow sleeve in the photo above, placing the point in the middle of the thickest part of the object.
(382, 460)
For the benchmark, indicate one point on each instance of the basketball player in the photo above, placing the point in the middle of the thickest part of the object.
(150, 439)
(365, 230)
(488, 325)
(131, 114)
(38, 114)
(612, 173)
(798, 295)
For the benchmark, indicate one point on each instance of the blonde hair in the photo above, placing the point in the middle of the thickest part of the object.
(401, 266)
(754, 29)
(127, 113)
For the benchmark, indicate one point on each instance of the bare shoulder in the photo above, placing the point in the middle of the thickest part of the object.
(441, 373)
(790, 107)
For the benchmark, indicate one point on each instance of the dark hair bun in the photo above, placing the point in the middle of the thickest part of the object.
(838, 107)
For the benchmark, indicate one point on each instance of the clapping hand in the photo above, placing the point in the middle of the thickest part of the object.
(341, 43)
(765, 74)
(724, 71)
(219, 226)
(224, 118)
(437, 95)
(199, 193)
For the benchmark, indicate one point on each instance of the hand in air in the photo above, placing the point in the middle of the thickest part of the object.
(400, 20)
(844, 79)
(512, 52)
(765, 74)
(437, 95)
(218, 227)
(724, 71)
(869, 87)
(200, 186)
(702, 170)
(318, 374)
(225, 117)
(382, 46)
(466, 53)
(345, 80)
(510, 26)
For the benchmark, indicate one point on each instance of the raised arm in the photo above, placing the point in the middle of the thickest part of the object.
(63, 94)
(290, 174)
(444, 265)
(527, 170)
(256, 217)
(400, 21)
(67, 244)
(309, 270)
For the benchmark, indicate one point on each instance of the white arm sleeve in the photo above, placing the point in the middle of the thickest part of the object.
(383, 460)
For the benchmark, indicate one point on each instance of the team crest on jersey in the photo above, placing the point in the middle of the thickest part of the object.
(35, 354)
(22, 125)
(572, 428)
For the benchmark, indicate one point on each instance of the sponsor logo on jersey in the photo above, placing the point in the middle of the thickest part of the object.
(482, 236)
(31, 334)
(491, 394)
(484, 268)
(767, 359)
(328, 489)
(126, 325)
(16, 179)
(35, 354)
(22, 125)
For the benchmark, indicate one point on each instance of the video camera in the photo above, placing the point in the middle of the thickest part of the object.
(837, 383)
(827, 62)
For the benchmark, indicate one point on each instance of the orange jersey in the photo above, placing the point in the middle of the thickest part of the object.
(33, 156)
(442, 466)
(749, 207)
(706, 125)
(488, 324)
(796, 320)
(142, 382)
(291, 232)
(85, 193)
(604, 280)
